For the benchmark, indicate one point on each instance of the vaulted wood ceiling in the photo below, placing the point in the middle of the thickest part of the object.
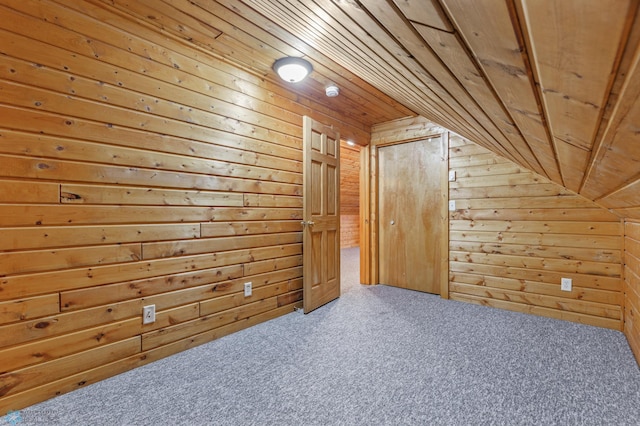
(553, 85)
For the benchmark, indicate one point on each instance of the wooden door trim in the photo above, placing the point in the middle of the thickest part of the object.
(444, 218)
(365, 216)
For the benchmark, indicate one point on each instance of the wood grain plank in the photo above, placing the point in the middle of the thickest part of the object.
(555, 214)
(149, 59)
(487, 29)
(525, 178)
(171, 334)
(543, 311)
(73, 236)
(560, 303)
(92, 173)
(16, 191)
(427, 13)
(21, 286)
(540, 251)
(613, 163)
(509, 191)
(574, 87)
(452, 52)
(223, 229)
(266, 200)
(216, 144)
(613, 284)
(239, 43)
(113, 293)
(34, 376)
(66, 149)
(283, 277)
(171, 19)
(219, 304)
(550, 227)
(25, 309)
(445, 85)
(540, 288)
(33, 215)
(213, 245)
(26, 261)
(263, 266)
(376, 65)
(632, 230)
(560, 265)
(561, 201)
(95, 194)
(80, 380)
(404, 129)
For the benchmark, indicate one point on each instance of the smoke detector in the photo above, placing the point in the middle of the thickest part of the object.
(332, 91)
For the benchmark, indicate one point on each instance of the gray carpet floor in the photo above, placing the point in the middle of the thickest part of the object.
(377, 356)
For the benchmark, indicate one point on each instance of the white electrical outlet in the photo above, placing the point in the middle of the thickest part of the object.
(247, 289)
(452, 205)
(565, 284)
(452, 175)
(149, 314)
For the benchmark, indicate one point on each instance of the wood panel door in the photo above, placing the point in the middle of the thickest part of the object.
(410, 210)
(321, 238)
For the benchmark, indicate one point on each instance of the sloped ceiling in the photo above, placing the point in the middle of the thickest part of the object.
(553, 85)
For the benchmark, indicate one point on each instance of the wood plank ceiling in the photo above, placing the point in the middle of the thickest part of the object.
(552, 85)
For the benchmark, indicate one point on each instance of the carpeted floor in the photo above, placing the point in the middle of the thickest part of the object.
(377, 356)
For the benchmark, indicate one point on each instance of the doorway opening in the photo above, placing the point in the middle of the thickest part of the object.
(350, 230)
(349, 195)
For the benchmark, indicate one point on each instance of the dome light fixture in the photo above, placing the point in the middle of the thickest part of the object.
(292, 69)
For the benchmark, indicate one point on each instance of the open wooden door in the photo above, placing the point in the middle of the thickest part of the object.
(321, 225)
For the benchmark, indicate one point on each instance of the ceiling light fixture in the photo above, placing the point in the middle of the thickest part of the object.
(292, 69)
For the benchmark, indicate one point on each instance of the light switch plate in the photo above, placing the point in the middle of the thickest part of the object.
(149, 314)
(452, 175)
(452, 205)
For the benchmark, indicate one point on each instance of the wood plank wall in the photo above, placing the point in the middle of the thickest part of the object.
(632, 285)
(514, 235)
(135, 169)
(349, 196)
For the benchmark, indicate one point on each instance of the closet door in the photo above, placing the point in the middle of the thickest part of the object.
(410, 225)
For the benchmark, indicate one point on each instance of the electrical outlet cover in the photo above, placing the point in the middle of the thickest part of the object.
(565, 284)
(248, 289)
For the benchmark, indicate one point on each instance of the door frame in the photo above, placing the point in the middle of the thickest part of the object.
(369, 190)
